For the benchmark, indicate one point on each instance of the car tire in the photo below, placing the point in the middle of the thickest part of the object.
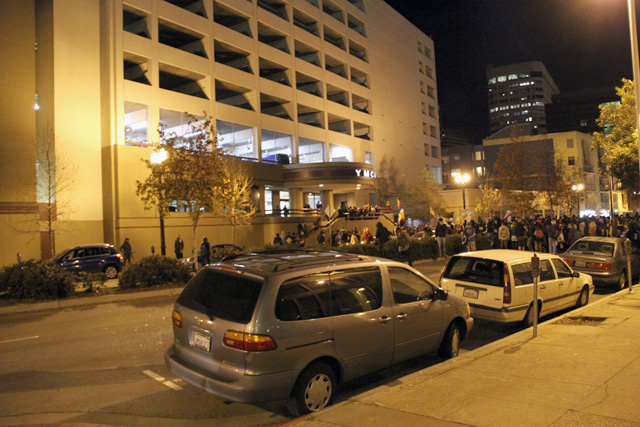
(450, 346)
(111, 271)
(527, 322)
(622, 281)
(583, 299)
(314, 390)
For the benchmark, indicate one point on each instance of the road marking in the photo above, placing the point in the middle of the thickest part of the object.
(20, 339)
(160, 379)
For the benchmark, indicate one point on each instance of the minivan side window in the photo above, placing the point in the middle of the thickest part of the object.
(522, 272)
(408, 287)
(303, 298)
(355, 290)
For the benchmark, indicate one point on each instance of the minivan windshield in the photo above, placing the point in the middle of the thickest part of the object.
(221, 295)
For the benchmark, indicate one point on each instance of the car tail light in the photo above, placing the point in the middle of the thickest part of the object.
(176, 318)
(249, 342)
(569, 262)
(599, 266)
(443, 270)
(506, 298)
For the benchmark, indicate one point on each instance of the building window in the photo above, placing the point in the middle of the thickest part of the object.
(310, 151)
(479, 171)
(434, 152)
(368, 158)
(136, 124)
(572, 160)
(340, 153)
(479, 155)
(236, 140)
(427, 150)
(569, 143)
(433, 131)
(276, 147)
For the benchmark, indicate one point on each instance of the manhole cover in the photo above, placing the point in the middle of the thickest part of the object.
(581, 320)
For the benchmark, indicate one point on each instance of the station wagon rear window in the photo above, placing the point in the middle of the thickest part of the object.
(476, 270)
(226, 296)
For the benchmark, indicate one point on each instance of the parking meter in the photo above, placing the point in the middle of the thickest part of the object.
(627, 249)
(535, 272)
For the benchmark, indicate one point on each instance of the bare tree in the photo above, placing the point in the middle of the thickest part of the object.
(236, 197)
(423, 198)
(55, 179)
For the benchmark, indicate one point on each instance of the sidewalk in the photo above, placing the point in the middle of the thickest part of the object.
(583, 369)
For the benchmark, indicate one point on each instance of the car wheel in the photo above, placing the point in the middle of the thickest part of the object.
(622, 281)
(527, 322)
(314, 390)
(450, 346)
(111, 272)
(583, 299)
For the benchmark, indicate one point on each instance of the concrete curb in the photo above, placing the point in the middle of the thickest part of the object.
(92, 300)
(447, 365)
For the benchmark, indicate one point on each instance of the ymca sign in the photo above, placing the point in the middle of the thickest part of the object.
(365, 173)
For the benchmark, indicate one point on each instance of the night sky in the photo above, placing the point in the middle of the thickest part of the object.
(583, 44)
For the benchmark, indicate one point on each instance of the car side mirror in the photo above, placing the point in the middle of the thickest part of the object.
(575, 274)
(440, 294)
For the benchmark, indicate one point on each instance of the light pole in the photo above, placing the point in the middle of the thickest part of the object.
(157, 157)
(462, 180)
(578, 188)
(634, 60)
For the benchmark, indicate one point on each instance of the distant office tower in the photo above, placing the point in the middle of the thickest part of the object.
(518, 94)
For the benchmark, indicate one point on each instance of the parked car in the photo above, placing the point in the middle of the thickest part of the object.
(498, 284)
(96, 258)
(603, 258)
(295, 324)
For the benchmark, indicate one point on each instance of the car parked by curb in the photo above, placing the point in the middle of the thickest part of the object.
(295, 325)
(498, 284)
(96, 258)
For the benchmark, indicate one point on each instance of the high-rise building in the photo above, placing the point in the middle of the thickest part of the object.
(578, 110)
(518, 94)
(311, 96)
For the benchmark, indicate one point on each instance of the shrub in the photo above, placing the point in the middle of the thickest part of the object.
(90, 281)
(454, 244)
(152, 271)
(221, 253)
(36, 280)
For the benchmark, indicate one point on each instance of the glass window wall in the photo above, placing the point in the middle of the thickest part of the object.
(236, 140)
(136, 124)
(310, 151)
(276, 147)
(340, 153)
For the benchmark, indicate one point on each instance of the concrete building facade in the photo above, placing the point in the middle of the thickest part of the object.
(312, 96)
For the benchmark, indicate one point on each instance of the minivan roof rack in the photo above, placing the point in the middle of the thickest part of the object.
(283, 262)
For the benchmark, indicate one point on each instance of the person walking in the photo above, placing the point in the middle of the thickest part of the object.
(205, 252)
(127, 251)
(320, 238)
(470, 231)
(178, 247)
(441, 237)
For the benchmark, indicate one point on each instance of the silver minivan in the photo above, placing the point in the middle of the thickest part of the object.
(295, 324)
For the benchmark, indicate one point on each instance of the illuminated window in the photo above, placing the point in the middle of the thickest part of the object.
(502, 79)
(136, 124)
(237, 140)
(340, 153)
(276, 147)
(310, 151)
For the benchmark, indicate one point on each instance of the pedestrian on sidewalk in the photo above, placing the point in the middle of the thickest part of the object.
(127, 251)
(403, 244)
(441, 237)
(178, 246)
(504, 235)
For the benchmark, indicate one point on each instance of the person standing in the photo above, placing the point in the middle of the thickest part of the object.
(320, 238)
(504, 235)
(382, 237)
(277, 240)
(552, 237)
(126, 250)
(470, 231)
(178, 247)
(205, 252)
(441, 237)
(403, 244)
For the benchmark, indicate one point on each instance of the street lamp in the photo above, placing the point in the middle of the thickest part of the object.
(462, 180)
(157, 157)
(636, 66)
(578, 188)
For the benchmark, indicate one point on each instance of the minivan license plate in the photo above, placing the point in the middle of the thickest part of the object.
(201, 341)
(470, 293)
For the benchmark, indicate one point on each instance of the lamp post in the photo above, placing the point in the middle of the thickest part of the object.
(578, 188)
(462, 180)
(157, 158)
(634, 61)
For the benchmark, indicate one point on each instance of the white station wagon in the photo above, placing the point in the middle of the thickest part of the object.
(498, 284)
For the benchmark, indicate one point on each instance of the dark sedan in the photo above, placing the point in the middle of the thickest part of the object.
(604, 258)
(98, 258)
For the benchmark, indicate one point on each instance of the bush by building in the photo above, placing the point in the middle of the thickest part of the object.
(36, 280)
(153, 271)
